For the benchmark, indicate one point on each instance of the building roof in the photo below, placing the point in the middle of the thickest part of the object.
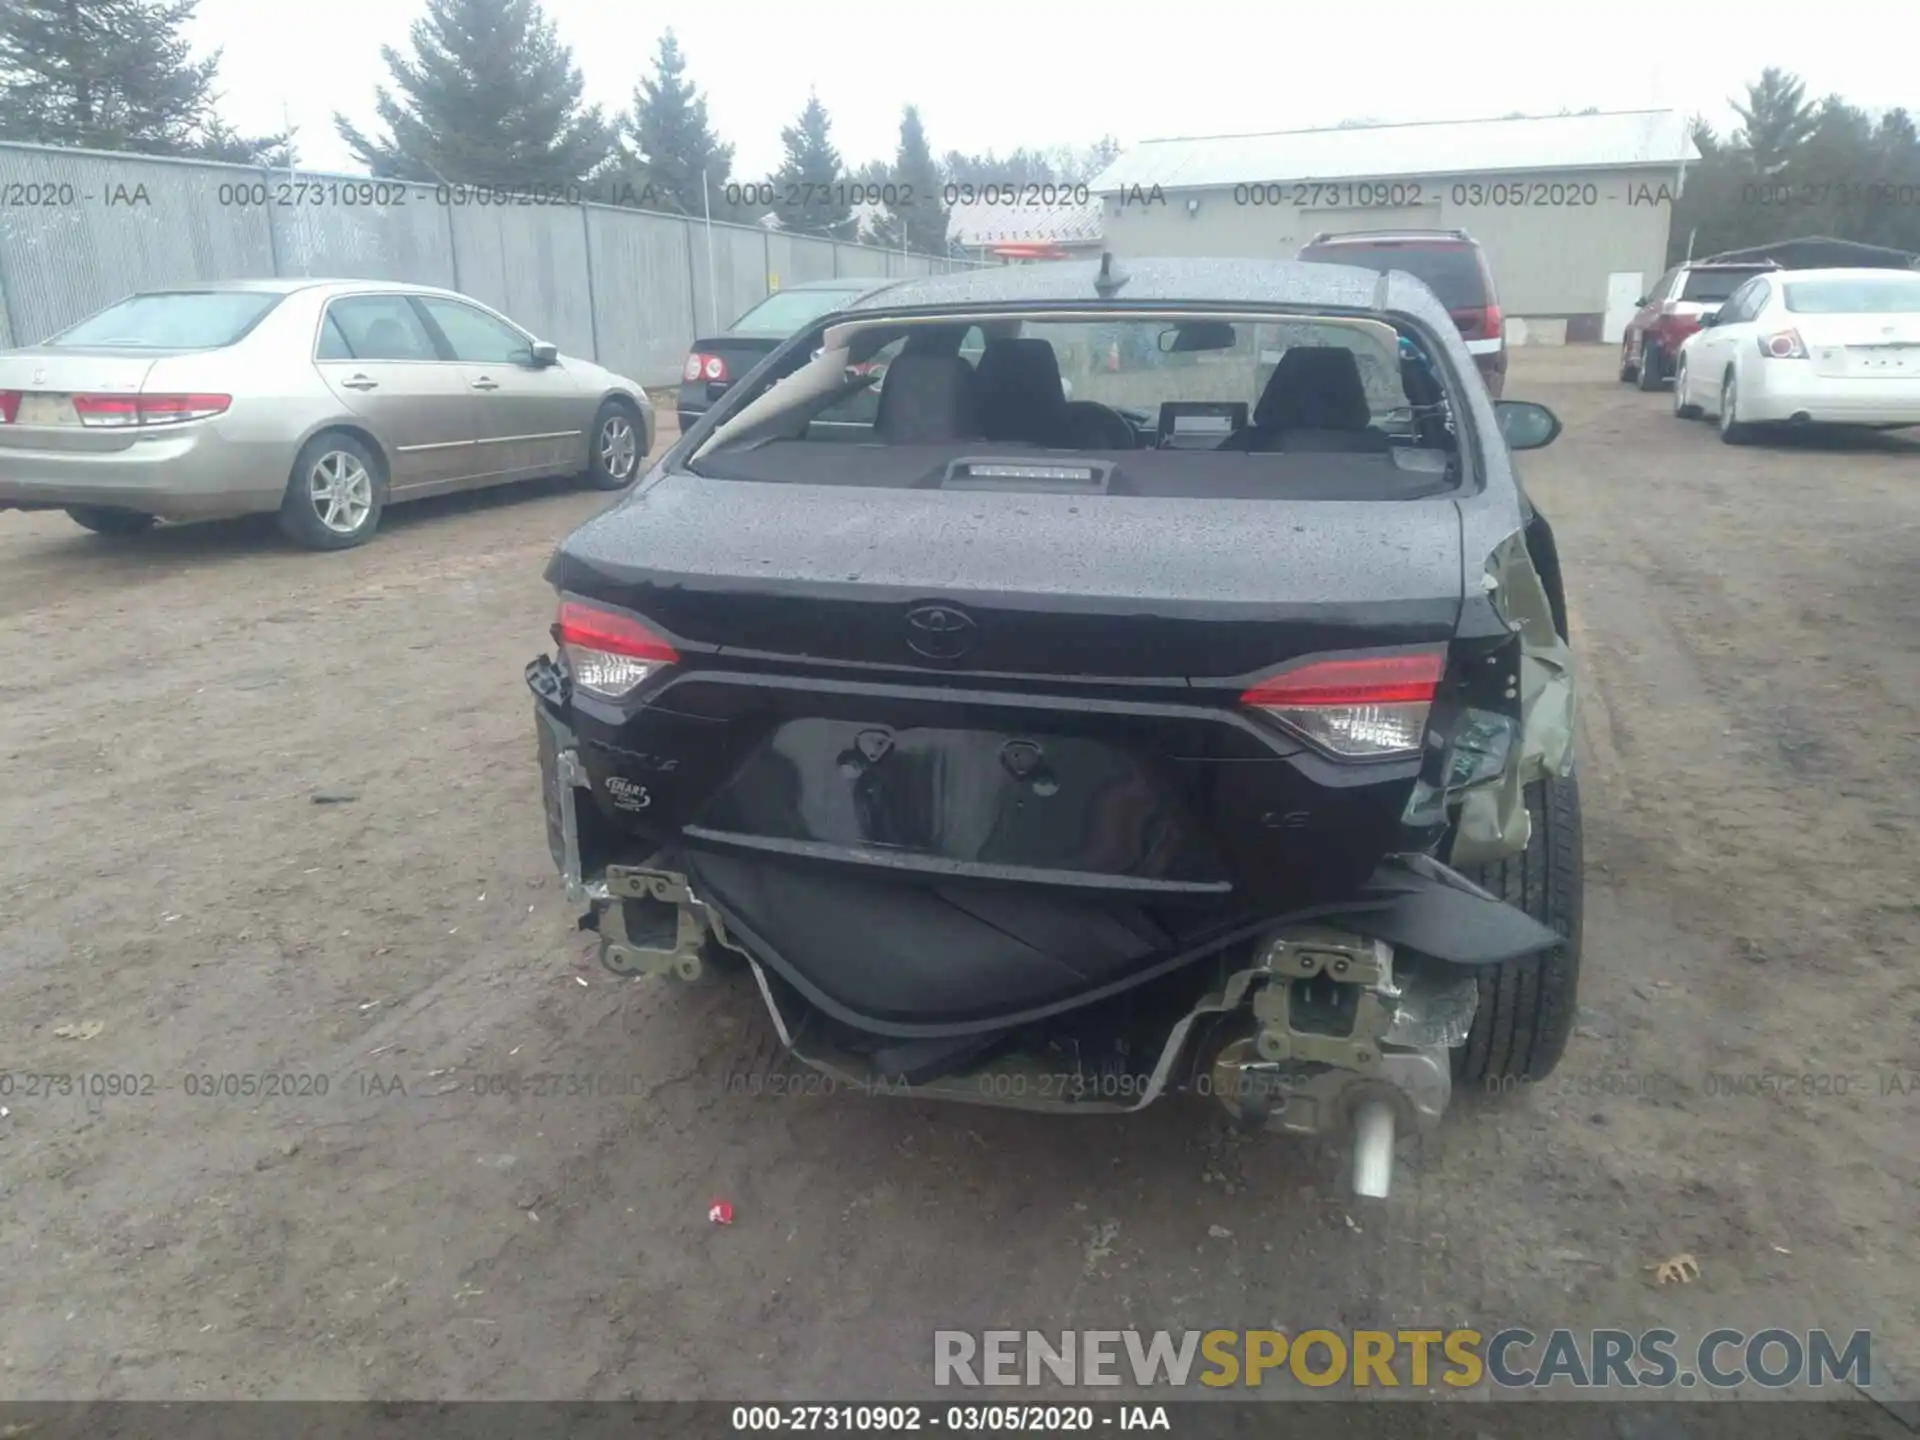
(1611, 141)
(1254, 283)
(1013, 223)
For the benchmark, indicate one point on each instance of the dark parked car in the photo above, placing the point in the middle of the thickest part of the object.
(717, 361)
(1671, 311)
(1196, 733)
(1453, 266)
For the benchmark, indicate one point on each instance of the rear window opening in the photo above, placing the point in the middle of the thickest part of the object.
(1300, 407)
(171, 320)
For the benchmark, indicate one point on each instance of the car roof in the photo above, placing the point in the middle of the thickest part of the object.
(1396, 237)
(1847, 272)
(1732, 265)
(866, 284)
(293, 285)
(1164, 281)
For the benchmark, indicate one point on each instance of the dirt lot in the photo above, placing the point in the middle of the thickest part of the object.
(169, 709)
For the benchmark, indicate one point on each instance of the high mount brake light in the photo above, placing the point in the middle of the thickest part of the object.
(607, 653)
(1364, 708)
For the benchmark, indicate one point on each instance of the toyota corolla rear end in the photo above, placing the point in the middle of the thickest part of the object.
(1022, 765)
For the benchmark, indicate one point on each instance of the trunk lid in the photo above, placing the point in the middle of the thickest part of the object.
(46, 378)
(1180, 591)
(1865, 347)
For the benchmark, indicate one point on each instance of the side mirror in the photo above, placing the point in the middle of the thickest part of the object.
(1641, 303)
(544, 354)
(1710, 319)
(1525, 425)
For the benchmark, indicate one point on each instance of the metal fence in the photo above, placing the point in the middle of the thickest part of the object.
(79, 229)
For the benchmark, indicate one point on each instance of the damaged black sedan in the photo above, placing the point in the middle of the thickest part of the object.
(1203, 723)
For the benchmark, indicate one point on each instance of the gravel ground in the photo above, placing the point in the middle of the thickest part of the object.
(172, 707)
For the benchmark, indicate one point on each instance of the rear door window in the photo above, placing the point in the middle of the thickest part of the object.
(172, 320)
(381, 327)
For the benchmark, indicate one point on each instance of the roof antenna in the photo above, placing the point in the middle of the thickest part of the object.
(1111, 277)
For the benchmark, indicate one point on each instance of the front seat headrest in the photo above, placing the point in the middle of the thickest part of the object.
(1314, 387)
(1021, 398)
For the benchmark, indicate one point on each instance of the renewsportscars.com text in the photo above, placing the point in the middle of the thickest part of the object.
(1510, 1359)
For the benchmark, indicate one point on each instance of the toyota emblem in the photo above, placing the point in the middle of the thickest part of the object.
(939, 632)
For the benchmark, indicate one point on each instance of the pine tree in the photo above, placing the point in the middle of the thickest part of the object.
(113, 75)
(810, 187)
(919, 222)
(490, 97)
(676, 144)
(1775, 119)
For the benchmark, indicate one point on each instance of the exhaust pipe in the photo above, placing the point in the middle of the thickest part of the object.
(1373, 1150)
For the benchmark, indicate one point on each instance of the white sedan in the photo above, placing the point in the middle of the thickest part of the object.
(1822, 347)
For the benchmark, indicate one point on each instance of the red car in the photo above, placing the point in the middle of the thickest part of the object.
(1671, 311)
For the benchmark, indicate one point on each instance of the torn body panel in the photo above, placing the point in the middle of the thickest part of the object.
(1492, 822)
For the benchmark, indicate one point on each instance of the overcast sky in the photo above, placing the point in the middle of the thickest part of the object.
(997, 74)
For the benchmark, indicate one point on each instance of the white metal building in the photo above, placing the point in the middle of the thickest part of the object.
(1573, 210)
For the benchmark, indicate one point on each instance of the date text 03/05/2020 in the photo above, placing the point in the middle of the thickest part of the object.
(961, 1419)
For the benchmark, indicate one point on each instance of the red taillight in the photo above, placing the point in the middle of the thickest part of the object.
(1493, 322)
(168, 409)
(1786, 345)
(9, 406)
(1363, 708)
(710, 368)
(609, 653)
(120, 410)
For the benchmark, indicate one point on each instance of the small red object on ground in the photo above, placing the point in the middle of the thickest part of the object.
(720, 1213)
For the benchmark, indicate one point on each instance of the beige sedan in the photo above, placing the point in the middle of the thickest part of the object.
(320, 400)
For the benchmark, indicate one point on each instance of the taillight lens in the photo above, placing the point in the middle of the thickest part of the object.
(607, 653)
(704, 367)
(1367, 708)
(715, 369)
(124, 410)
(1494, 321)
(695, 364)
(9, 406)
(1784, 345)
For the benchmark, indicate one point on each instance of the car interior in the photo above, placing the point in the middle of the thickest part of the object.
(1013, 394)
(1189, 427)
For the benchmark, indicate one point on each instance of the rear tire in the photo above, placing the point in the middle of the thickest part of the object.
(616, 446)
(1527, 1006)
(1652, 371)
(335, 494)
(111, 520)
